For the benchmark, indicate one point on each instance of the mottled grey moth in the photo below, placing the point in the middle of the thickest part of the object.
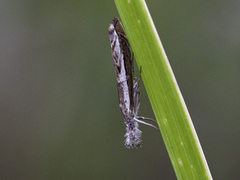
(127, 84)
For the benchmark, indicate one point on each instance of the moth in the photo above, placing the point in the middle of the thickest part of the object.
(127, 84)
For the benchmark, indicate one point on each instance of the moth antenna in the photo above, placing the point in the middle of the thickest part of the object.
(148, 124)
(140, 74)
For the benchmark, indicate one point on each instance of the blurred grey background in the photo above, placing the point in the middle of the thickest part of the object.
(59, 114)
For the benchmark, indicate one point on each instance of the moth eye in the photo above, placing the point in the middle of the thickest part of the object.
(131, 125)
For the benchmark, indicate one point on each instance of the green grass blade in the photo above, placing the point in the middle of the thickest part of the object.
(167, 102)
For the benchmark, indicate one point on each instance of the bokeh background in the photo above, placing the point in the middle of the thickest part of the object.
(59, 114)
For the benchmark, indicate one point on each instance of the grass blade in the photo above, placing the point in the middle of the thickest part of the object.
(167, 102)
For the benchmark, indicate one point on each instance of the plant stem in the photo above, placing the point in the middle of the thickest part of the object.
(167, 102)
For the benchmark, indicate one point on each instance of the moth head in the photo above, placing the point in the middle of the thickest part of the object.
(133, 135)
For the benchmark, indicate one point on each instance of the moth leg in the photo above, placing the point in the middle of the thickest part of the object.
(146, 118)
(148, 124)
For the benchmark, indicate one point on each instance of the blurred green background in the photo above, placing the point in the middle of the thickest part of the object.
(58, 99)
